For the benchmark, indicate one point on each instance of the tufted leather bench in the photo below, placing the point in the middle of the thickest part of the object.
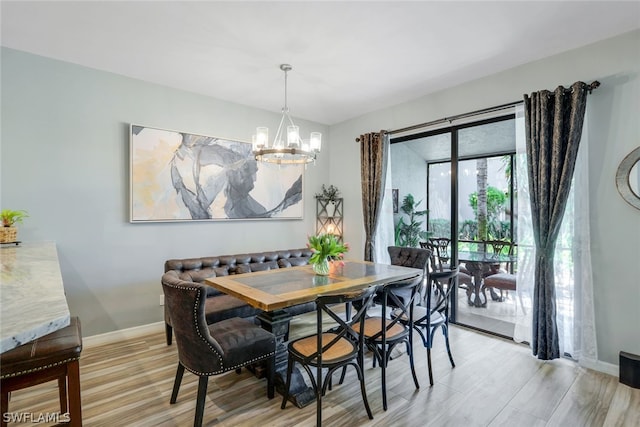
(52, 357)
(220, 306)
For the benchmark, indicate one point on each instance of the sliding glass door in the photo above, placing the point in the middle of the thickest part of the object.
(465, 174)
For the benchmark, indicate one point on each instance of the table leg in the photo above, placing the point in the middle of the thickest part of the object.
(277, 322)
(476, 269)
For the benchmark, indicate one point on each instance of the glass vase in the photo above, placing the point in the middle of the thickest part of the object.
(321, 268)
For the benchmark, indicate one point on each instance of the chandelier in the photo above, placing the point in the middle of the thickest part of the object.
(292, 151)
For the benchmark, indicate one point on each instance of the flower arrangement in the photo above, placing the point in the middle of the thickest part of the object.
(325, 248)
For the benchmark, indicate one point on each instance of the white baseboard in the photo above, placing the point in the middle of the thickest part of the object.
(604, 367)
(122, 334)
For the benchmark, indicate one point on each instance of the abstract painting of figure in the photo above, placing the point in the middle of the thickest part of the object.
(177, 176)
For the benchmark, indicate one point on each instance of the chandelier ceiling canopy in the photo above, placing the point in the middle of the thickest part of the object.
(286, 147)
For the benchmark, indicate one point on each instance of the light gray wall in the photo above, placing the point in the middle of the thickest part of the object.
(409, 176)
(613, 126)
(65, 159)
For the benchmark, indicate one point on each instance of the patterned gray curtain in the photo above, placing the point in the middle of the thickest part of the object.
(373, 170)
(553, 123)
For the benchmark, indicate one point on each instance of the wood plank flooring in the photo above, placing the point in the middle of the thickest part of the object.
(495, 383)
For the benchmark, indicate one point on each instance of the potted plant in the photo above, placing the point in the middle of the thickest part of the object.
(8, 232)
(410, 234)
(330, 194)
(325, 248)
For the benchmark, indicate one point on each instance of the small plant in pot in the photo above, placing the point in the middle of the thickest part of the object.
(8, 231)
(331, 194)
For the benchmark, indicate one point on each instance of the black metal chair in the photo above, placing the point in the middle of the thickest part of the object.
(214, 349)
(435, 313)
(382, 334)
(464, 276)
(339, 347)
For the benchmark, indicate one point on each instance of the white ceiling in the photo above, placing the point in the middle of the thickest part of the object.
(348, 58)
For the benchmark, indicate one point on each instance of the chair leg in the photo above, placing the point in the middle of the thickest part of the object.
(202, 394)
(73, 392)
(429, 364)
(383, 366)
(445, 331)
(62, 392)
(342, 375)
(168, 332)
(271, 374)
(5, 408)
(363, 389)
(320, 390)
(285, 396)
(413, 368)
(176, 383)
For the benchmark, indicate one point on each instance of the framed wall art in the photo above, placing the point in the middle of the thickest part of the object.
(179, 176)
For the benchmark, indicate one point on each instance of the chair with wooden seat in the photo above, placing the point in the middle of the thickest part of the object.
(55, 356)
(383, 333)
(338, 347)
(206, 350)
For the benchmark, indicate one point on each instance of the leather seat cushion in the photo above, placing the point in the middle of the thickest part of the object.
(242, 341)
(61, 346)
(501, 281)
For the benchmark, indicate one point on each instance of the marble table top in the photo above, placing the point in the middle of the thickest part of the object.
(32, 299)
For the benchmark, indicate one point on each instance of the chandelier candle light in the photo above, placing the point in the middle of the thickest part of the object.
(296, 151)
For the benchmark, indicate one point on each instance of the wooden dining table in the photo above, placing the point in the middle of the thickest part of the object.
(273, 291)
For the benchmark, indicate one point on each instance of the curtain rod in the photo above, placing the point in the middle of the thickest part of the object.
(590, 88)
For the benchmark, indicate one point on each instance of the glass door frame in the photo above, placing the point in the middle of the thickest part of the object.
(453, 231)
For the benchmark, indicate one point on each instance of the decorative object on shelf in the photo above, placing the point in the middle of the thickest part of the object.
(180, 176)
(296, 150)
(326, 249)
(8, 232)
(331, 196)
(329, 212)
(628, 178)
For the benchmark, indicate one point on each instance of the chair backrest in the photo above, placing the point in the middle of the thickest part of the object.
(498, 247)
(434, 261)
(412, 257)
(185, 302)
(439, 288)
(442, 245)
(401, 297)
(344, 328)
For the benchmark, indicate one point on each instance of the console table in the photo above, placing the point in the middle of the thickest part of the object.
(32, 299)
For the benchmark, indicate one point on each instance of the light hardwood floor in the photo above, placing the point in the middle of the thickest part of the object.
(495, 383)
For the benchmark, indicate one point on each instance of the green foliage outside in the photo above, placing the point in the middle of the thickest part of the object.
(496, 200)
(468, 229)
(410, 233)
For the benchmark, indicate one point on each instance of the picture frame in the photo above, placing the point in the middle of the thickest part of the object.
(394, 196)
(181, 176)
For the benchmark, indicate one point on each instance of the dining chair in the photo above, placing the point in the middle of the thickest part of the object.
(339, 347)
(383, 333)
(505, 281)
(207, 350)
(498, 247)
(434, 313)
(465, 279)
